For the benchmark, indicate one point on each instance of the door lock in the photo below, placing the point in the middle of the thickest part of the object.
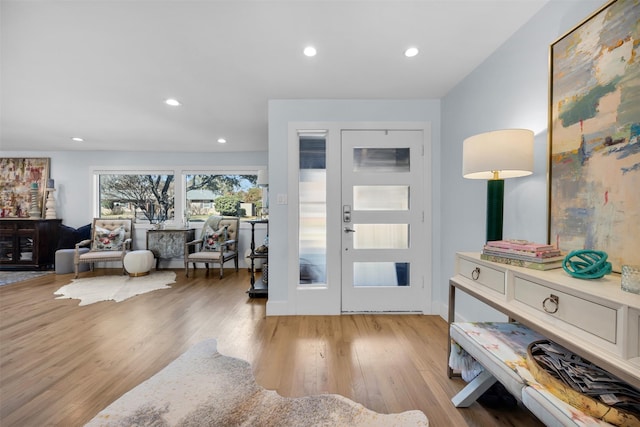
(349, 230)
(346, 213)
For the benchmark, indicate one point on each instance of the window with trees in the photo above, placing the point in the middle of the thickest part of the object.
(222, 194)
(150, 196)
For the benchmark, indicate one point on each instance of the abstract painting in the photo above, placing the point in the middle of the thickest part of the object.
(594, 135)
(17, 175)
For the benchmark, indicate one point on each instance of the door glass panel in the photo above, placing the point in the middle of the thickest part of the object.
(380, 274)
(381, 236)
(381, 197)
(367, 159)
(312, 231)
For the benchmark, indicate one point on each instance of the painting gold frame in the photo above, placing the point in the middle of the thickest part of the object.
(594, 135)
(17, 174)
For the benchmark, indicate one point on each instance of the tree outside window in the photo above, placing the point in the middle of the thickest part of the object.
(144, 197)
(222, 194)
(150, 197)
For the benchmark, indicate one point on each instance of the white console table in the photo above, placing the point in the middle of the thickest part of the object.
(593, 318)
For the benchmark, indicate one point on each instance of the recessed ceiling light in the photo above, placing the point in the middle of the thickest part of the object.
(77, 139)
(310, 51)
(172, 102)
(411, 52)
(222, 140)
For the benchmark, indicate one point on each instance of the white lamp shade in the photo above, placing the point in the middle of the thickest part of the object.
(508, 151)
(263, 177)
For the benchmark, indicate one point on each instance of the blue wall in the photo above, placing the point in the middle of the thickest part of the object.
(508, 90)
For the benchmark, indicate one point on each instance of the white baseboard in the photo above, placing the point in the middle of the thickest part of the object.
(278, 308)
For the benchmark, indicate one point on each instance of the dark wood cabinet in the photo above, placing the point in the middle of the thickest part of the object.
(28, 244)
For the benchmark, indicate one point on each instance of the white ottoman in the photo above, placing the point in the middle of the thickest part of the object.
(138, 263)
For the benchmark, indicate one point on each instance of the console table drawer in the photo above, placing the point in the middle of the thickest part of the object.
(482, 274)
(594, 318)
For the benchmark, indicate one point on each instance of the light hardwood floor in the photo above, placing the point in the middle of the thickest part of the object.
(60, 364)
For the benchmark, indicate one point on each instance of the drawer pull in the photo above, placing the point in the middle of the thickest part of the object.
(553, 299)
(475, 274)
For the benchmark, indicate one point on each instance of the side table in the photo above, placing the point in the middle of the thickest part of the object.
(259, 287)
(168, 244)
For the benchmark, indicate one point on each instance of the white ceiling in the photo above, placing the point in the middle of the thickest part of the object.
(100, 69)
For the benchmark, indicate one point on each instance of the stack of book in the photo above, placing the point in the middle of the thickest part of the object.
(522, 253)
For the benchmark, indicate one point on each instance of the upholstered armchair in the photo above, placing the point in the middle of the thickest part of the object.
(111, 239)
(218, 243)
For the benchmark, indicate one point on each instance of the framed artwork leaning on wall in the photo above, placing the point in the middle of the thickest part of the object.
(594, 135)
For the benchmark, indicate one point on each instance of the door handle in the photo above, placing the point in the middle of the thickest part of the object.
(349, 230)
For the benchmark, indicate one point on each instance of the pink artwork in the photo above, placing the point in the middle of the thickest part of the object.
(17, 177)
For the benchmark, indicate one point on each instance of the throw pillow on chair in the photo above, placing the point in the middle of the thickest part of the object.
(213, 240)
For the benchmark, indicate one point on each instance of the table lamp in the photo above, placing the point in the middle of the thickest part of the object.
(494, 156)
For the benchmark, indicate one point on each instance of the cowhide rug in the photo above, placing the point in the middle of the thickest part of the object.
(204, 388)
(115, 287)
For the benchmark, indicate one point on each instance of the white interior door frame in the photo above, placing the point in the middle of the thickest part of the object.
(326, 299)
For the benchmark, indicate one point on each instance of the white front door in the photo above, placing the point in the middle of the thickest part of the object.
(382, 221)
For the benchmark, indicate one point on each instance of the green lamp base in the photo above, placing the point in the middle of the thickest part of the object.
(495, 205)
